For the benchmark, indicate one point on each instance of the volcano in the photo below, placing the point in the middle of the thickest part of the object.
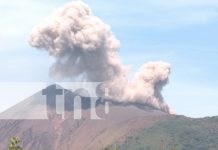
(39, 126)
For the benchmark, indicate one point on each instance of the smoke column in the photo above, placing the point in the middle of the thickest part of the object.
(84, 47)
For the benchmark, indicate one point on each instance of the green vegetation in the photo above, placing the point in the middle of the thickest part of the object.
(118, 148)
(112, 148)
(175, 133)
(178, 132)
(14, 144)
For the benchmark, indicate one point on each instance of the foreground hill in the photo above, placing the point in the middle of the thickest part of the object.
(180, 132)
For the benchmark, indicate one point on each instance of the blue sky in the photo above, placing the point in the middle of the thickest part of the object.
(181, 32)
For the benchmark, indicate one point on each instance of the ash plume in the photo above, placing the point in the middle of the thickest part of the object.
(84, 47)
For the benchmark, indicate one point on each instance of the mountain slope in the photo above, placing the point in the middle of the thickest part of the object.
(180, 132)
(63, 134)
(131, 126)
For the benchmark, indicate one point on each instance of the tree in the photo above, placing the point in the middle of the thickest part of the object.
(112, 148)
(15, 144)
